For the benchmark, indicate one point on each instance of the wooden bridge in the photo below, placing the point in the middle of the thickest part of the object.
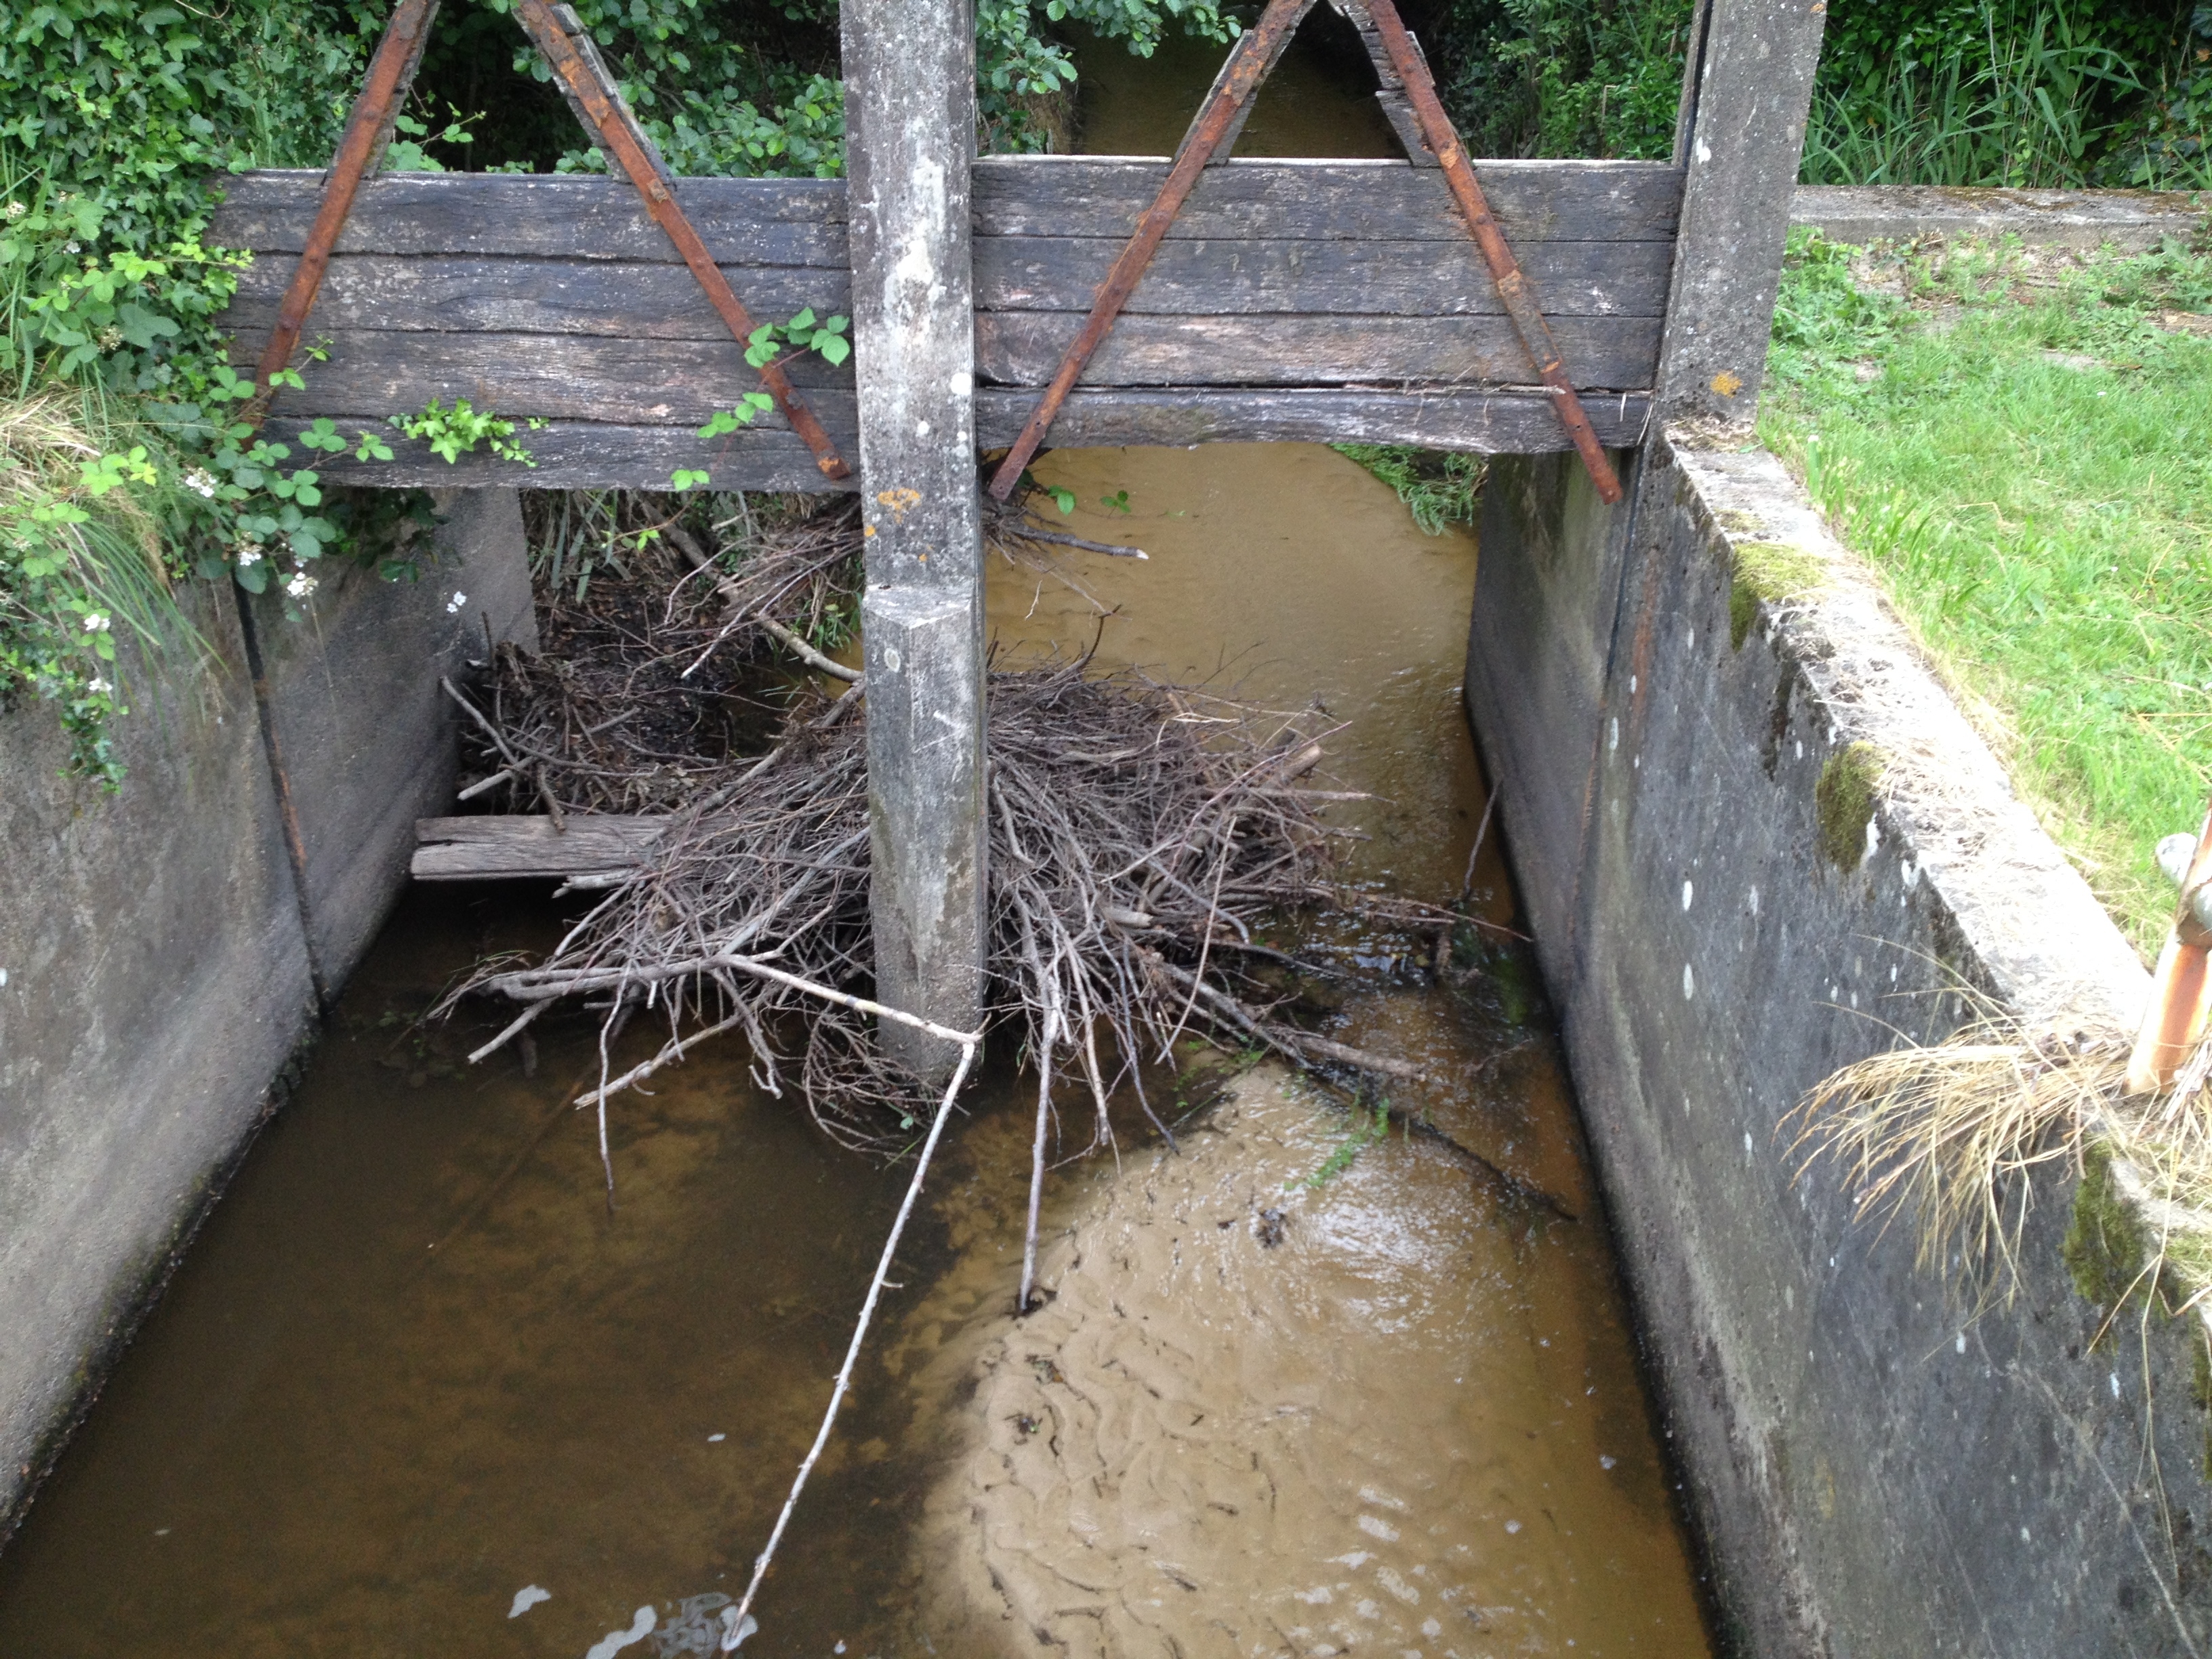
(1312, 300)
(1307, 301)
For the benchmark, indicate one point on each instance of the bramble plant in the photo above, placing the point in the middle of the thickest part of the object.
(771, 343)
(455, 432)
(774, 342)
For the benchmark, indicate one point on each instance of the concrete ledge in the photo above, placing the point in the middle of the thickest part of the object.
(155, 948)
(2130, 220)
(1675, 701)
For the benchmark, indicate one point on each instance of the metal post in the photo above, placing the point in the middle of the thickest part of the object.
(911, 124)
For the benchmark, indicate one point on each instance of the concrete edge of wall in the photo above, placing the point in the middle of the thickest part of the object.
(161, 949)
(2133, 220)
(1674, 702)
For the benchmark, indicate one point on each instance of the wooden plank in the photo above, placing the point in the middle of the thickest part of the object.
(1023, 348)
(470, 294)
(529, 847)
(380, 371)
(785, 221)
(377, 372)
(1395, 278)
(801, 222)
(1517, 420)
(1386, 200)
(592, 455)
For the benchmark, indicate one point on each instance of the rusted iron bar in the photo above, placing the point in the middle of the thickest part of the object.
(560, 37)
(1218, 120)
(367, 131)
(1513, 289)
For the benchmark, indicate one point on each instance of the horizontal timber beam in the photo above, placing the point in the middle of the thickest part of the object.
(588, 455)
(1292, 301)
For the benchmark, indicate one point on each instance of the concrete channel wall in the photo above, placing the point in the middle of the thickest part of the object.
(1680, 712)
(160, 959)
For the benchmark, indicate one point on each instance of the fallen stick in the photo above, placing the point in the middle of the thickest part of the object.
(736, 1623)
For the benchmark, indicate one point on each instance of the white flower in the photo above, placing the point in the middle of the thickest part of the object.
(454, 605)
(249, 553)
(96, 684)
(71, 247)
(300, 586)
(15, 210)
(201, 482)
(96, 622)
(110, 339)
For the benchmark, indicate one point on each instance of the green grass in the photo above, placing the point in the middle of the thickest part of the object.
(2024, 456)
(1438, 489)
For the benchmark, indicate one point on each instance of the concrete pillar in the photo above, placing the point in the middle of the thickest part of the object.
(910, 121)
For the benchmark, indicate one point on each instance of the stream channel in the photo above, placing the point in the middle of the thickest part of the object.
(412, 1367)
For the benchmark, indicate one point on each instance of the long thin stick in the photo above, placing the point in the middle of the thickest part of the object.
(853, 1353)
(1481, 829)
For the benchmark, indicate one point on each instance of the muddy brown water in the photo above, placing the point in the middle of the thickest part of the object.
(413, 1367)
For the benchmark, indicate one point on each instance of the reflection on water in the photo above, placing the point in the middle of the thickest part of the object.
(416, 1391)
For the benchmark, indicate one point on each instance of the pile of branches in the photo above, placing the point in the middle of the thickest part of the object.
(1140, 837)
(660, 626)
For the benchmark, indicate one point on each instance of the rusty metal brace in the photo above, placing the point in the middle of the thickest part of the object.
(1215, 126)
(582, 76)
(1513, 287)
(2181, 986)
(1219, 120)
(562, 40)
(367, 131)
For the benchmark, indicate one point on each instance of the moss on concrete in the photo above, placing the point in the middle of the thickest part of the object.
(1844, 801)
(1768, 572)
(2104, 1246)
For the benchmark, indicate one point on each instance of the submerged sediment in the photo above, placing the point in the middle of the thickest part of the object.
(1257, 1415)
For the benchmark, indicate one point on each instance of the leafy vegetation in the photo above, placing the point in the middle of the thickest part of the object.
(2019, 444)
(1438, 489)
(2047, 93)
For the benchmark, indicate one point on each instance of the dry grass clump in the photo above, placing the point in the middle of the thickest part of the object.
(1952, 1132)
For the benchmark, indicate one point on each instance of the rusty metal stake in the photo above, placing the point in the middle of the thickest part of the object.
(1218, 120)
(1513, 287)
(592, 93)
(2181, 985)
(367, 131)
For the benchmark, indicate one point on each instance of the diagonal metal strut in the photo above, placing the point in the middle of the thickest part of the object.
(582, 76)
(1215, 127)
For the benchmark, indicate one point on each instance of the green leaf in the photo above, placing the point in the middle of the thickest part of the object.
(684, 479)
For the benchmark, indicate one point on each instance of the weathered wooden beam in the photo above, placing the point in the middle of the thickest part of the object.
(777, 222)
(802, 222)
(911, 124)
(636, 300)
(519, 847)
(591, 455)
(586, 378)
(1753, 71)
(1370, 200)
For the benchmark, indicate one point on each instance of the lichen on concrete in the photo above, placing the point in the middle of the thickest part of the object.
(1844, 802)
